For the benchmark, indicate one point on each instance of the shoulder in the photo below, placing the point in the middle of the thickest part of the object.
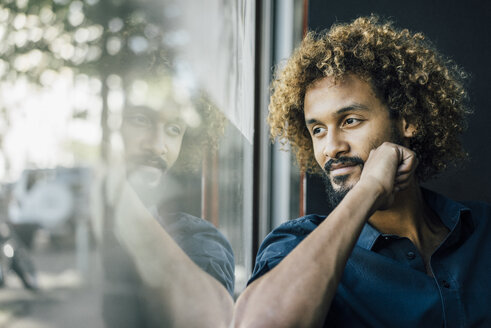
(294, 229)
(193, 233)
(480, 212)
(301, 226)
(204, 244)
(281, 241)
(477, 213)
(184, 225)
(477, 206)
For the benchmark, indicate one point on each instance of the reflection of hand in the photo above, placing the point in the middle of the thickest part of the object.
(388, 170)
(115, 179)
(177, 284)
(138, 232)
(145, 181)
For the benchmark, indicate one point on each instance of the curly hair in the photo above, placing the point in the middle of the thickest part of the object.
(406, 73)
(200, 139)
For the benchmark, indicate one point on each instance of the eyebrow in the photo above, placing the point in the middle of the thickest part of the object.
(152, 114)
(140, 110)
(352, 107)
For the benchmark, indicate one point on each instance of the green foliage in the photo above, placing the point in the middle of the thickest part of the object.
(94, 38)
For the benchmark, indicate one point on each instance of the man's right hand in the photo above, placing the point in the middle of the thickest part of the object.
(388, 169)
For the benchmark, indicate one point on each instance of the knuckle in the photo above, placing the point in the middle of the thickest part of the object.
(387, 144)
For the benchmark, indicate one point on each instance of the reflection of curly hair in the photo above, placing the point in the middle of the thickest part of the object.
(201, 139)
(407, 74)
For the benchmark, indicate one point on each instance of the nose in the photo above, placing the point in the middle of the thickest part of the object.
(155, 140)
(335, 145)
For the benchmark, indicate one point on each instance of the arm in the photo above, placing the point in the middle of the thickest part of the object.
(188, 296)
(299, 290)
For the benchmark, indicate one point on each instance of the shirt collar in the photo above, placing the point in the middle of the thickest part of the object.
(368, 236)
(448, 210)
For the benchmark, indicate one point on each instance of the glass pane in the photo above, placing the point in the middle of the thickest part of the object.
(126, 161)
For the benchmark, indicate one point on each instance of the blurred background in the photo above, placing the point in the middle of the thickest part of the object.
(69, 68)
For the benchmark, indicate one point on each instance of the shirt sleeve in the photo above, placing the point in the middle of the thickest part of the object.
(205, 246)
(280, 242)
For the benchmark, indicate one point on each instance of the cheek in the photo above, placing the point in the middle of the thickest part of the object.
(319, 157)
(372, 144)
(174, 149)
(130, 139)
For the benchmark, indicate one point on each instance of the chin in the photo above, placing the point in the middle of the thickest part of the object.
(146, 176)
(344, 182)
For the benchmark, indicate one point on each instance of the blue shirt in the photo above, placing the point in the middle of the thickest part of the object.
(385, 283)
(204, 244)
(126, 303)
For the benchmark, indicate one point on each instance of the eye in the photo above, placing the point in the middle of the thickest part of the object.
(173, 129)
(139, 120)
(317, 130)
(351, 121)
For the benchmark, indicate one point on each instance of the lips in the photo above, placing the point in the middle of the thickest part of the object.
(342, 169)
(149, 161)
(342, 165)
(155, 163)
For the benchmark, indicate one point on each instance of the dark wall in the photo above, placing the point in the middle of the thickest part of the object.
(460, 30)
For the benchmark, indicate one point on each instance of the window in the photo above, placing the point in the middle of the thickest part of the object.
(134, 144)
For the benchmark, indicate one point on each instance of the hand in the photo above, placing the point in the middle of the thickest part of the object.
(389, 169)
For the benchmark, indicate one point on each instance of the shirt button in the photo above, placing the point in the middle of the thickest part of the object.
(411, 255)
(445, 284)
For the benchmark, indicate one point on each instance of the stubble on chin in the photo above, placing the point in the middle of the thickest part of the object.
(335, 196)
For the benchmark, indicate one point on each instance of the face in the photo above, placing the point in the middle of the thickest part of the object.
(152, 142)
(346, 120)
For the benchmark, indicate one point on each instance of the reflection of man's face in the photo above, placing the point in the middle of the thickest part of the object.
(345, 120)
(152, 142)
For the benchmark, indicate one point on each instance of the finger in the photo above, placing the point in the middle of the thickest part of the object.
(408, 161)
(408, 168)
(403, 177)
(402, 186)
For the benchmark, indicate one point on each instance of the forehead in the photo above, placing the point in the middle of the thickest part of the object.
(162, 115)
(329, 95)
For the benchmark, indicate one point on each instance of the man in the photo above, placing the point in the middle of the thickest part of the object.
(161, 269)
(377, 111)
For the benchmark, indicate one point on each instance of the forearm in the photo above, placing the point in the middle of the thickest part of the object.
(189, 296)
(298, 291)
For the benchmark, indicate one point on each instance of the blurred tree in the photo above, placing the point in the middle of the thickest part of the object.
(113, 41)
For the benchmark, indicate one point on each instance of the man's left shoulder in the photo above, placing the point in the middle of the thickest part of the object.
(480, 212)
(450, 210)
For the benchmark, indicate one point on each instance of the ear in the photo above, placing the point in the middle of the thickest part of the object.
(408, 129)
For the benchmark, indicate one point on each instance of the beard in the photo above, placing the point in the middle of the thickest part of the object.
(334, 197)
(145, 174)
(136, 162)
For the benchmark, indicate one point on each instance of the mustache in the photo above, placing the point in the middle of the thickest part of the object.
(355, 160)
(149, 160)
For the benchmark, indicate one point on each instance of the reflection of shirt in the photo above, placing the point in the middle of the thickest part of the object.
(385, 283)
(126, 303)
(204, 244)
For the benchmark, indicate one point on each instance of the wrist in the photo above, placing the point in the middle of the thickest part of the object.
(372, 191)
(371, 186)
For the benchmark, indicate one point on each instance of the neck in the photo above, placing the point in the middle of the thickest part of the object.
(411, 217)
